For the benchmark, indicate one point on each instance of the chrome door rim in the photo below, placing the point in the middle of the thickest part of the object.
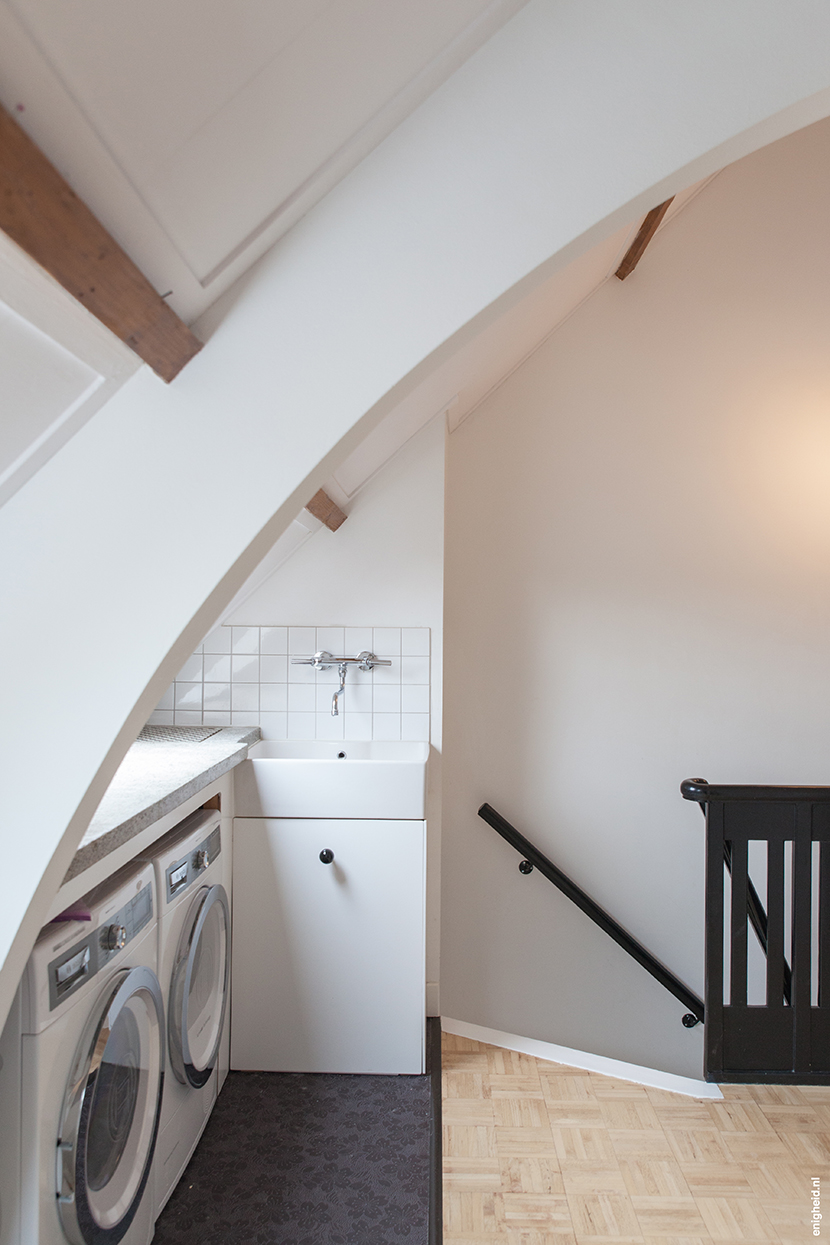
(76, 1216)
(181, 1060)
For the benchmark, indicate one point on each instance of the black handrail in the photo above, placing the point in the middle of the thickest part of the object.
(698, 790)
(598, 915)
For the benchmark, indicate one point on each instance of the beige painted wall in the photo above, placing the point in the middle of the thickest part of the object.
(637, 592)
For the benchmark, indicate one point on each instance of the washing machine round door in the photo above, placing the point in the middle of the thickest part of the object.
(199, 987)
(111, 1110)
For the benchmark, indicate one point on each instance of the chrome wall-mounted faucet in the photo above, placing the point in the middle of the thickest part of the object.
(341, 670)
(324, 661)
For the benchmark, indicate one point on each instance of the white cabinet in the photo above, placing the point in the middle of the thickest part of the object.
(328, 958)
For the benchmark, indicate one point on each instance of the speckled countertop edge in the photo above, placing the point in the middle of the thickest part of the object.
(154, 779)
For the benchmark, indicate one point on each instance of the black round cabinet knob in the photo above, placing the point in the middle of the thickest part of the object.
(525, 866)
(327, 855)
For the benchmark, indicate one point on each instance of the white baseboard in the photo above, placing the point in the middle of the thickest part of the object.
(652, 1077)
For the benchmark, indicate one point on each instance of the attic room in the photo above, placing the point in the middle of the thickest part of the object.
(569, 555)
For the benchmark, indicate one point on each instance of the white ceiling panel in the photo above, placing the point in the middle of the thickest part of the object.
(41, 383)
(219, 114)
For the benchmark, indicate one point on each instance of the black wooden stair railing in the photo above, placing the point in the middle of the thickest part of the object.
(534, 859)
(785, 1039)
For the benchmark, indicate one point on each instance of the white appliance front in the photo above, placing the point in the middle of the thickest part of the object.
(92, 1070)
(194, 966)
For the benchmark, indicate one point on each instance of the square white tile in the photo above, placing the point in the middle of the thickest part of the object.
(191, 671)
(273, 725)
(217, 668)
(301, 725)
(273, 697)
(414, 670)
(217, 696)
(357, 640)
(245, 639)
(331, 639)
(386, 726)
(415, 698)
(358, 697)
(302, 641)
(273, 669)
(387, 698)
(415, 641)
(301, 698)
(329, 727)
(301, 674)
(245, 669)
(357, 725)
(244, 719)
(185, 717)
(273, 640)
(415, 726)
(216, 719)
(387, 674)
(161, 717)
(219, 641)
(188, 696)
(245, 697)
(386, 641)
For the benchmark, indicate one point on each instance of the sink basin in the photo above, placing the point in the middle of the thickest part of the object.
(339, 779)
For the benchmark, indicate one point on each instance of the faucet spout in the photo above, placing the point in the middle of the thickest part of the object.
(341, 670)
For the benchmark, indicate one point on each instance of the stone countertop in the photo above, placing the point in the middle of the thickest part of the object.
(164, 767)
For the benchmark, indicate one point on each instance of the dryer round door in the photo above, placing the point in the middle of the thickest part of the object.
(199, 987)
(111, 1110)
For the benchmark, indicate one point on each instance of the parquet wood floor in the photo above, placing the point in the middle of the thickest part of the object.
(536, 1153)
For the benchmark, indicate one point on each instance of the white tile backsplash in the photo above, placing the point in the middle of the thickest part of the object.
(242, 676)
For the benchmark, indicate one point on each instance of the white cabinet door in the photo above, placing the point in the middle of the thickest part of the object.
(328, 959)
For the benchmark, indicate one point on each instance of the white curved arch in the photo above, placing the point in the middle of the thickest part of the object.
(120, 552)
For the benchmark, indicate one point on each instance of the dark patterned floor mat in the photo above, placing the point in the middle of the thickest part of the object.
(300, 1159)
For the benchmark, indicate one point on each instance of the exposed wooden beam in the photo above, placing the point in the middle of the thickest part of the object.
(327, 511)
(645, 233)
(44, 216)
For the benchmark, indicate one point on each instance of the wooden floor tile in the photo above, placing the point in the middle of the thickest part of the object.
(471, 1173)
(776, 1179)
(521, 1086)
(567, 1089)
(514, 1112)
(704, 1145)
(548, 1212)
(739, 1117)
(462, 1084)
(468, 1111)
(603, 1216)
(583, 1145)
(654, 1178)
(664, 1216)
(808, 1148)
(471, 1211)
(640, 1143)
(800, 1119)
(575, 1115)
(530, 1175)
(735, 1219)
(469, 1141)
(523, 1142)
(628, 1113)
(717, 1180)
(591, 1179)
(790, 1219)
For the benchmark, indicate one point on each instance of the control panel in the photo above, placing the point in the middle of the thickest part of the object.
(183, 872)
(69, 970)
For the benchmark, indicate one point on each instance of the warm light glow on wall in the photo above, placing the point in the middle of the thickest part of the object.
(784, 476)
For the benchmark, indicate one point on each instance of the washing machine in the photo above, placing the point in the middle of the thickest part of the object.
(92, 1057)
(193, 969)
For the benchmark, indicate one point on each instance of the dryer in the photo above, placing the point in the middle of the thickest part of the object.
(92, 1055)
(193, 969)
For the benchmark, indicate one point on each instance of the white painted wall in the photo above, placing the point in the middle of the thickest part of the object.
(384, 567)
(570, 120)
(637, 592)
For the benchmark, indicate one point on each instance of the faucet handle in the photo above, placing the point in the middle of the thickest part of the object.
(368, 661)
(320, 661)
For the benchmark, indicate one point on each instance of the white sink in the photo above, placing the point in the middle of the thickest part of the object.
(339, 779)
